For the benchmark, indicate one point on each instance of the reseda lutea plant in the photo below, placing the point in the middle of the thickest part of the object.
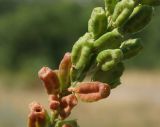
(99, 53)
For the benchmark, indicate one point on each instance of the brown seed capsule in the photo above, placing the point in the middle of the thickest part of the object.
(92, 91)
(64, 71)
(50, 80)
(54, 102)
(37, 116)
(67, 104)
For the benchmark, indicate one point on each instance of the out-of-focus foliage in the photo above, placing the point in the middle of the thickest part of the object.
(34, 33)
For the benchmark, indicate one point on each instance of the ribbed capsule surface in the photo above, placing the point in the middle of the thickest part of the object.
(97, 24)
(92, 91)
(50, 80)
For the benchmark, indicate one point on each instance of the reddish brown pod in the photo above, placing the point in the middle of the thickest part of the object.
(64, 71)
(91, 91)
(54, 102)
(38, 116)
(67, 104)
(50, 80)
(66, 125)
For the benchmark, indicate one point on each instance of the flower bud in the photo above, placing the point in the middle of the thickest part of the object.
(92, 91)
(38, 116)
(54, 102)
(50, 80)
(64, 71)
(67, 104)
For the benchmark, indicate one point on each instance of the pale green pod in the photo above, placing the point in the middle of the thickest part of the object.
(138, 20)
(111, 77)
(82, 53)
(131, 48)
(108, 59)
(85, 40)
(110, 40)
(122, 11)
(151, 2)
(109, 6)
(97, 24)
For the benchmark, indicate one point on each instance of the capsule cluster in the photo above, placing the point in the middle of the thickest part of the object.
(100, 54)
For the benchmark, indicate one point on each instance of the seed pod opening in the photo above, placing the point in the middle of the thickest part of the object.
(38, 116)
(50, 80)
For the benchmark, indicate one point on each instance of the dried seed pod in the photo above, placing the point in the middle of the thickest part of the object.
(97, 24)
(92, 91)
(50, 80)
(109, 6)
(138, 20)
(122, 11)
(111, 77)
(54, 102)
(67, 104)
(131, 48)
(151, 2)
(108, 59)
(38, 116)
(64, 71)
(110, 40)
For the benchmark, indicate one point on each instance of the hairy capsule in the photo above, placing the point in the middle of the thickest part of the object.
(108, 59)
(151, 2)
(91, 91)
(110, 40)
(64, 71)
(111, 77)
(131, 48)
(50, 80)
(122, 11)
(38, 116)
(139, 19)
(97, 24)
(67, 104)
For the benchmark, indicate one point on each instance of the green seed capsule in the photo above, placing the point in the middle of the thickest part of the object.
(109, 6)
(140, 17)
(122, 11)
(97, 24)
(110, 40)
(111, 77)
(82, 53)
(151, 2)
(131, 48)
(108, 59)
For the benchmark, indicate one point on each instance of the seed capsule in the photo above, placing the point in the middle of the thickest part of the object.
(108, 59)
(111, 77)
(122, 11)
(64, 71)
(91, 91)
(50, 80)
(67, 104)
(151, 2)
(109, 6)
(38, 116)
(138, 20)
(98, 22)
(110, 40)
(131, 48)
(54, 102)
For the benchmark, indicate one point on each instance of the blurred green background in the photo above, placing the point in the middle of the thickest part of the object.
(36, 33)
